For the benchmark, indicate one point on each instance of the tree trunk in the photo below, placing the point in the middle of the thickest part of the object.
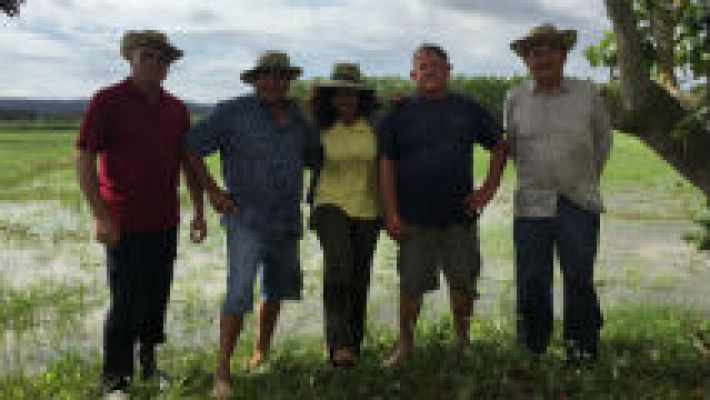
(663, 17)
(648, 111)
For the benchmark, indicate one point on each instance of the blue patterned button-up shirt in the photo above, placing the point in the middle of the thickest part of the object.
(262, 163)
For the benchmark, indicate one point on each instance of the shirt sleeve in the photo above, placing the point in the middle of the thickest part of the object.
(93, 132)
(386, 136)
(208, 135)
(601, 131)
(312, 150)
(487, 130)
(509, 125)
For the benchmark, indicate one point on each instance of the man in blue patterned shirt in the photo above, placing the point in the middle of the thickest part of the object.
(264, 143)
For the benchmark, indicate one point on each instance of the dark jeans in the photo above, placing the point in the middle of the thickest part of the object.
(348, 246)
(575, 233)
(140, 270)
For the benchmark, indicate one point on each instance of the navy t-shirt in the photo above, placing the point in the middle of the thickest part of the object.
(431, 142)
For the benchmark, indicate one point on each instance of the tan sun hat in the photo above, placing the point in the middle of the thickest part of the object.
(544, 34)
(272, 61)
(344, 75)
(148, 38)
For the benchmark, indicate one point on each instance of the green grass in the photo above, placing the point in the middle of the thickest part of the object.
(39, 164)
(645, 354)
(42, 302)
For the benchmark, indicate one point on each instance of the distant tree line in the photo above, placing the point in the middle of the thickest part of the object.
(17, 115)
(489, 91)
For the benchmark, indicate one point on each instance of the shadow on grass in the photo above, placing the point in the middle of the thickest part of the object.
(651, 354)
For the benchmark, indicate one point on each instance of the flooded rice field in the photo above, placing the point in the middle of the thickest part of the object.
(53, 285)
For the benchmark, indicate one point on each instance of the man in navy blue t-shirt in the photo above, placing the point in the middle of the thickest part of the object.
(429, 202)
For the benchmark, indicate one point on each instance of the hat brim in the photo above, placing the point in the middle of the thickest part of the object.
(340, 84)
(249, 76)
(171, 52)
(567, 39)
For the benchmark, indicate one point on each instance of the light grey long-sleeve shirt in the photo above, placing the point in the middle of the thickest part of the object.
(559, 143)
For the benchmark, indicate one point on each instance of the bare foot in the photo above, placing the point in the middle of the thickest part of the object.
(222, 389)
(257, 358)
(396, 358)
(344, 357)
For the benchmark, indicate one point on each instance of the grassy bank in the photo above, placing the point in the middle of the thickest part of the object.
(645, 354)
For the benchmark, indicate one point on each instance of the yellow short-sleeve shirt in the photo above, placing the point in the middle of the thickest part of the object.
(349, 175)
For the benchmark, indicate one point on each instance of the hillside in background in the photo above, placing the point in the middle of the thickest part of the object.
(12, 108)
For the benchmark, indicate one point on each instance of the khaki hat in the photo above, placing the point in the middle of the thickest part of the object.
(149, 38)
(544, 34)
(272, 61)
(344, 75)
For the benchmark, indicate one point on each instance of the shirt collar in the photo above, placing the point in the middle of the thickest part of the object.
(564, 86)
(418, 97)
(288, 103)
(132, 89)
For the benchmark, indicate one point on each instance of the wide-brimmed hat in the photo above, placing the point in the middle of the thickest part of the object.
(544, 34)
(131, 40)
(344, 75)
(272, 61)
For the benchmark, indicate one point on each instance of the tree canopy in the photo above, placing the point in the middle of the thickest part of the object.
(674, 39)
(10, 7)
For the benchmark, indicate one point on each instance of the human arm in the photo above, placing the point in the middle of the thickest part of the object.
(488, 133)
(394, 224)
(105, 229)
(601, 131)
(477, 200)
(219, 198)
(198, 226)
(203, 139)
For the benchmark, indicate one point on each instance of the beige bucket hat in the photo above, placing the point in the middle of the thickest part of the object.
(544, 34)
(131, 40)
(272, 61)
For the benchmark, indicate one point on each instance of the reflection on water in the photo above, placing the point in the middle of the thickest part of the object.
(640, 262)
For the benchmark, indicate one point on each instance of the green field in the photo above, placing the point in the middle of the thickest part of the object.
(653, 287)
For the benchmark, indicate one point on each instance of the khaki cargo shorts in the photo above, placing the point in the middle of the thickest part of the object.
(424, 251)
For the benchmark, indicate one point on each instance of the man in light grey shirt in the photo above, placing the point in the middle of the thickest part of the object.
(560, 138)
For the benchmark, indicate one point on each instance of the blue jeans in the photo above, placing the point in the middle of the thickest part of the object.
(247, 253)
(575, 233)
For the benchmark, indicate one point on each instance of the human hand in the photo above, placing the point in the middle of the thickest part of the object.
(396, 228)
(478, 199)
(106, 232)
(221, 201)
(198, 229)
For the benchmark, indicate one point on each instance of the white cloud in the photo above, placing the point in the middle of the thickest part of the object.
(67, 48)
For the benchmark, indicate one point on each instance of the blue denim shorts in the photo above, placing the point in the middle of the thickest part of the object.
(248, 253)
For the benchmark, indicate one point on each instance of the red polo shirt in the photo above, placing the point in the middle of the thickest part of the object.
(138, 146)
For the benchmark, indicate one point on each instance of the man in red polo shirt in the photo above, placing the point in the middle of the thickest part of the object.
(134, 131)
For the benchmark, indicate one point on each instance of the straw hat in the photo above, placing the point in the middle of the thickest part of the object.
(272, 61)
(131, 40)
(544, 34)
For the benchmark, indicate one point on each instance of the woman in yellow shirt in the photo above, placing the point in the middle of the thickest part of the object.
(345, 206)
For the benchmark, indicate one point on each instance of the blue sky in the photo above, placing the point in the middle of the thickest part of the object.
(69, 48)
